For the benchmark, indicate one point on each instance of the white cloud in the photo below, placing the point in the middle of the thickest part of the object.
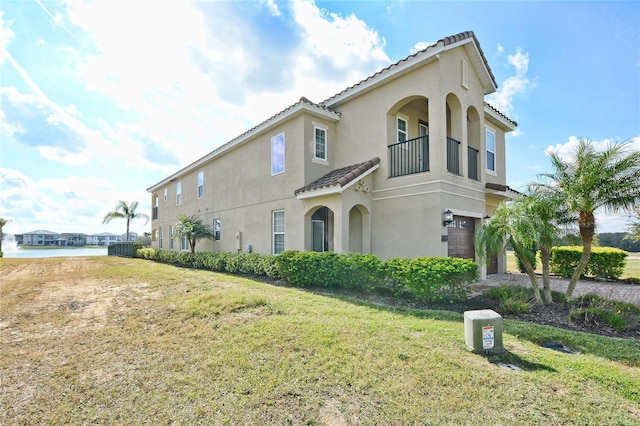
(6, 35)
(515, 85)
(421, 45)
(63, 204)
(567, 150)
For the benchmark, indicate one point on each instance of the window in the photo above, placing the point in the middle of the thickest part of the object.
(402, 129)
(200, 184)
(184, 245)
(160, 234)
(320, 144)
(216, 229)
(277, 154)
(278, 231)
(491, 150)
(166, 193)
(178, 193)
(171, 236)
(156, 201)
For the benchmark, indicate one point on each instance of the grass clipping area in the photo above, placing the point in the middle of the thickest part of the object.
(100, 340)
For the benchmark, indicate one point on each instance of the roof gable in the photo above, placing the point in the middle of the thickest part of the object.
(421, 58)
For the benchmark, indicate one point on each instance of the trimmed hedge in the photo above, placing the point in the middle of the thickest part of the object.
(329, 269)
(434, 278)
(605, 262)
(426, 278)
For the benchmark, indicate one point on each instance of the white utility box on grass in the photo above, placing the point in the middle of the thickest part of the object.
(483, 331)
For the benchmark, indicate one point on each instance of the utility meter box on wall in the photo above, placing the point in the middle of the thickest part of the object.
(483, 331)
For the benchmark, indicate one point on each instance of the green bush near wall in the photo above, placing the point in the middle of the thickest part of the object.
(605, 262)
(426, 278)
(434, 278)
(328, 269)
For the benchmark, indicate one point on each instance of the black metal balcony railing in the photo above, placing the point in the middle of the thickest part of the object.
(453, 156)
(473, 163)
(409, 157)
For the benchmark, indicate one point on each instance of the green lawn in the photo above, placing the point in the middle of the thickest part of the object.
(143, 343)
(632, 267)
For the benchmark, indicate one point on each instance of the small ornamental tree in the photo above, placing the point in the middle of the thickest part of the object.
(512, 225)
(192, 228)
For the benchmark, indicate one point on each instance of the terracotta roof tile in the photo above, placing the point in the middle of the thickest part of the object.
(446, 42)
(340, 176)
(488, 105)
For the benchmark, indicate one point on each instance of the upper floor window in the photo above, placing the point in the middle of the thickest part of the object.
(179, 193)
(277, 154)
(166, 193)
(491, 150)
(402, 129)
(200, 184)
(278, 231)
(320, 144)
(216, 229)
(154, 213)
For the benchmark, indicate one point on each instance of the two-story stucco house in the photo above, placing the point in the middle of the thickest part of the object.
(377, 168)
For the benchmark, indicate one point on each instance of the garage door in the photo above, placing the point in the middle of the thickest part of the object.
(460, 237)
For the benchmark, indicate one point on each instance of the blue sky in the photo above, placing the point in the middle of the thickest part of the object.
(100, 100)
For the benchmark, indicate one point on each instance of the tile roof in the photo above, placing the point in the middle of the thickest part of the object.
(340, 176)
(446, 41)
(488, 105)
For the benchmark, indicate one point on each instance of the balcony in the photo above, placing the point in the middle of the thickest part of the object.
(409, 157)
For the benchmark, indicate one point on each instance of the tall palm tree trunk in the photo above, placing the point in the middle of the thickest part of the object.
(587, 226)
(545, 255)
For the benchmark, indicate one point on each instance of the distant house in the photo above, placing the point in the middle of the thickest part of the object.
(75, 239)
(43, 238)
(132, 236)
(103, 239)
(406, 163)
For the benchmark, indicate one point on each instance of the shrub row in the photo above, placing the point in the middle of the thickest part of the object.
(605, 262)
(426, 278)
(245, 263)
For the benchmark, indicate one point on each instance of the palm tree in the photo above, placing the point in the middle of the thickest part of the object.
(125, 211)
(3, 222)
(590, 180)
(511, 224)
(547, 212)
(191, 228)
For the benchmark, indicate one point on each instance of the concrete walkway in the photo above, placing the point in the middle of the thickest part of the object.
(613, 291)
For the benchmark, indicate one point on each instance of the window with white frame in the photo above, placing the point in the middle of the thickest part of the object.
(166, 194)
(278, 231)
(184, 245)
(171, 237)
(200, 184)
(277, 154)
(491, 150)
(402, 129)
(216, 229)
(320, 151)
(178, 193)
(160, 234)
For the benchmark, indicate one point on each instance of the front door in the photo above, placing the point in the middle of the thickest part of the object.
(317, 242)
(460, 237)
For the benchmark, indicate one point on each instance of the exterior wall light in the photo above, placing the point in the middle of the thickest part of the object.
(447, 217)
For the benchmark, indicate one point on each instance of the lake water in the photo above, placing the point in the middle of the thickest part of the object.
(27, 253)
